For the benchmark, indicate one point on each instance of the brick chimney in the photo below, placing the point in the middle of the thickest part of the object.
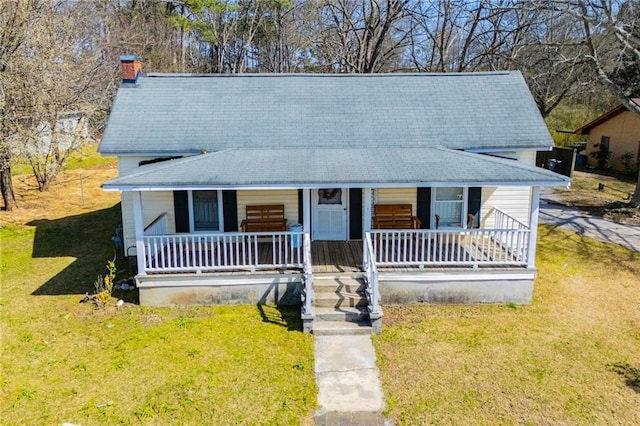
(131, 68)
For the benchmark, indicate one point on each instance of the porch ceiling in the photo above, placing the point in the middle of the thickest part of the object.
(345, 167)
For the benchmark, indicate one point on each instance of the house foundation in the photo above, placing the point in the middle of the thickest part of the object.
(213, 289)
(458, 287)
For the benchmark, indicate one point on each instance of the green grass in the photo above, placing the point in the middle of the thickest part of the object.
(569, 116)
(63, 361)
(572, 357)
(85, 158)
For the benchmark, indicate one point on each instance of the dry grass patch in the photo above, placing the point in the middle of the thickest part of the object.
(584, 190)
(572, 357)
(70, 196)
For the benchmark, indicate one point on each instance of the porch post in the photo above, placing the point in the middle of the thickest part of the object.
(366, 211)
(306, 210)
(533, 226)
(139, 228)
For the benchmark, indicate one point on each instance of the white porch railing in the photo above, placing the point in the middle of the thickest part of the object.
(222, 252)
(506, 245)
(503, 221)
(158, 226)
(371, 275)
(307, 290)
(462, 247)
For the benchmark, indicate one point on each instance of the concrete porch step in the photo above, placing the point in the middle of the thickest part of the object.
(349, 314)
(351, 300)
(340, 292)
(336, 285)
(341, 328)
(340, 306)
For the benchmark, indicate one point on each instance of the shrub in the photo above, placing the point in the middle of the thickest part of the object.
(601, 156)
(104, 285)
(630, 164)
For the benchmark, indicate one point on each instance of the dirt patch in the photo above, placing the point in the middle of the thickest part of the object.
(74, 192)
(621, 213)
(602, 195)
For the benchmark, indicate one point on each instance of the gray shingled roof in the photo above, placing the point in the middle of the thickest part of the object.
(319, 167)
(179, 114)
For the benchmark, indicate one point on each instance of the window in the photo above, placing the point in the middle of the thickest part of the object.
(205, 210)
(330, 196)
(450, 204)
(604, 143)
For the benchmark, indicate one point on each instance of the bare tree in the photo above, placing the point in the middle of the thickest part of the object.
(361, 36)
(456, 35)
(223, 32)
(15, 19)
(54, 84)
(551, 57)
(146, 28)
(611, 34)
(281, 45)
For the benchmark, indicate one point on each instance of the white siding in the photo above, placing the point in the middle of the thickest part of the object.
(127, 165)
(288, 197)
(153, 205)
(513, 200)
(525, 157)
(398, 196)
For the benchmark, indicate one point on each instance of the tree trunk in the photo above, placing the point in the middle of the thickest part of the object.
(6, 184)
(635, 199)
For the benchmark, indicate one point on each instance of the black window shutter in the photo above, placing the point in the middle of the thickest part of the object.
(300, 207)
(355, 213)
(423, 208)
(230, 211)
(474, 202)
(181, 210)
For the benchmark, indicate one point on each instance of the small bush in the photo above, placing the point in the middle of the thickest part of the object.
(104, 285)
(601, 156)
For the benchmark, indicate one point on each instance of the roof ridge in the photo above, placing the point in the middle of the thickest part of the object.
(320, 75)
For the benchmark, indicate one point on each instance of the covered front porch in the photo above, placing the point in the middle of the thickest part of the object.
(488, 264)
(502, 246)
(192, 248)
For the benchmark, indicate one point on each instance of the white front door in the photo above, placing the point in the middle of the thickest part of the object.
(329, 217)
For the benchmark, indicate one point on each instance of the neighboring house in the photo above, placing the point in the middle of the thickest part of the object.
(616, 132)
(453, 154)
(35, 136)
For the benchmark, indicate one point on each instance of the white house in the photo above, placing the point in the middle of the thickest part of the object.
(352, 191)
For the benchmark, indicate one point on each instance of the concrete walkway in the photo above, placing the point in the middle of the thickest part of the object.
(348, 381)
(582, 223)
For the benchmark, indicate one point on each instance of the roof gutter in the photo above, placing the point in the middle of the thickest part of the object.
(284, 186)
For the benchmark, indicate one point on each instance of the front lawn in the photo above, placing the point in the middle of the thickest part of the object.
(572, 357)
(63, 361)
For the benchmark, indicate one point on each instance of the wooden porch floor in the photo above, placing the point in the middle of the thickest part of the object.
(336, 256)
